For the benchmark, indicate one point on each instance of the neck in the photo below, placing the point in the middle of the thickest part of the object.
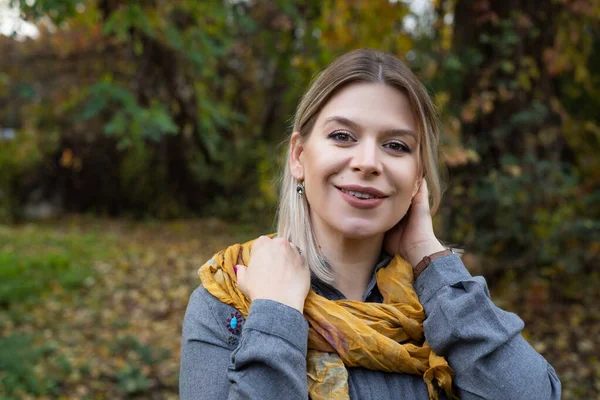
(352, 260)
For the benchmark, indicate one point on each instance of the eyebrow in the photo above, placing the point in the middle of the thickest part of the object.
(353, 125)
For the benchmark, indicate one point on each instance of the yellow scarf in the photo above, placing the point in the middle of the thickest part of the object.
(345, 333)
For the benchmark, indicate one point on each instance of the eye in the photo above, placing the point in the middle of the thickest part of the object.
(397, 147)
(341, 136)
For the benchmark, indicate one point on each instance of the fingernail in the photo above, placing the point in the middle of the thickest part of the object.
(235, 269)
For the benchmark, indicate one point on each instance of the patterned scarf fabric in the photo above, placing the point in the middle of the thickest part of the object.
(345, 333)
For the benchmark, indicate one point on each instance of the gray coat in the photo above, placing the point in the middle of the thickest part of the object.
(264, 357)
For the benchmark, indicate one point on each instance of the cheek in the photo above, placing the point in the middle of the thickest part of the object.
(401, 207)
(319, 166)
(405, 182)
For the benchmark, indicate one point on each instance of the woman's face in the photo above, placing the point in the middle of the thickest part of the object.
(360, 162)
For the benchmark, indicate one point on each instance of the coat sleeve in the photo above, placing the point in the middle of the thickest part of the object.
(267, 361)
(482, 343)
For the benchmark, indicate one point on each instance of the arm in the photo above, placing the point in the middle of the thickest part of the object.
(268, 363)
(482, 343)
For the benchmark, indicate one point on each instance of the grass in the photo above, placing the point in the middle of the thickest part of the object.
(34, 260)
(17, 367)
(92, 308)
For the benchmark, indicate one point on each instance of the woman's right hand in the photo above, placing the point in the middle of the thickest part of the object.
(276, 272)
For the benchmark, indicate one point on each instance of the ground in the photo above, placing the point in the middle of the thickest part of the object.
(93, 309)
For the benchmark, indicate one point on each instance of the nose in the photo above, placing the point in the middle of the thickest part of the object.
(366, 159)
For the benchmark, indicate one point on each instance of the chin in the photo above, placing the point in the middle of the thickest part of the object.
(360, 229)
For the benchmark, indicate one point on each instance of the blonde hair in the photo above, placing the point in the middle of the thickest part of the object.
(362, 65)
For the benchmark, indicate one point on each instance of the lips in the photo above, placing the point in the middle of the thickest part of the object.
(362, 192)
(362, 197)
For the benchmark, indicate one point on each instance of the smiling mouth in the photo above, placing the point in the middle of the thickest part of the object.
(360, 195)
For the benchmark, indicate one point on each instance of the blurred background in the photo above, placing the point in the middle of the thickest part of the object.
(137, 138)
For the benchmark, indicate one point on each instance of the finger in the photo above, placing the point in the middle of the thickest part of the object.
(296, 248)
(422, 196)
(258, 243)
(240, 271)
(262, 240)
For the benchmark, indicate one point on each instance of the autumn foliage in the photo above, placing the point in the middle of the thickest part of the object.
(178, 109)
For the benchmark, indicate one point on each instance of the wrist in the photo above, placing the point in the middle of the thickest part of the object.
(418, 252)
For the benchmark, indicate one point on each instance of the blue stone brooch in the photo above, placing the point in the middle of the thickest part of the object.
(235, 323)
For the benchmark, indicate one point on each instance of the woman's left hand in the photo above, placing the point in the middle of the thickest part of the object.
(413, 237)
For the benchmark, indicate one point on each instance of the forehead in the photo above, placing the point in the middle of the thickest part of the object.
(372, 105)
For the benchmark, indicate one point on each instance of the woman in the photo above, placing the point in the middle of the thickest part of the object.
(340, 303)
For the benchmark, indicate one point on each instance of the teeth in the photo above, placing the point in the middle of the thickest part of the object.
(359, 195)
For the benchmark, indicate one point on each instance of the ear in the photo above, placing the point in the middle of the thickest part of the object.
(295, 160)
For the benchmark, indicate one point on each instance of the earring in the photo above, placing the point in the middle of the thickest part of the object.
(300, 188)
